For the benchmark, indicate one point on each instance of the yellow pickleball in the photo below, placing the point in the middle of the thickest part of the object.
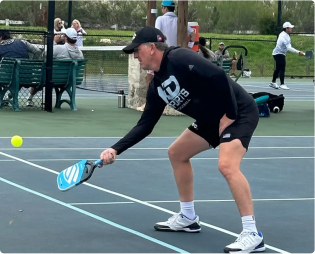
(16, 141)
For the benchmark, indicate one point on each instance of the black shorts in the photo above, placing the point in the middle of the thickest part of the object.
(242, 129)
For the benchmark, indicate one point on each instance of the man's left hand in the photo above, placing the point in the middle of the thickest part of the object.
(224, 123)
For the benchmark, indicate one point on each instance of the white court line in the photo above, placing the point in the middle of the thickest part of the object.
(163, 159)
(149, 137)
(138, 201)
(160, 159)
(291, 89)
(94, 216)
(139, 148)
(196, 201)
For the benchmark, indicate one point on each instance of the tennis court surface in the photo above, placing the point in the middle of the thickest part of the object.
(118, 207)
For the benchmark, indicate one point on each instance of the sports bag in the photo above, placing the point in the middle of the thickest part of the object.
(275, 102)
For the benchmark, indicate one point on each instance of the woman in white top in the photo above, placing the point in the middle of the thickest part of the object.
(80, 31)
(59, 30)
(279, 52)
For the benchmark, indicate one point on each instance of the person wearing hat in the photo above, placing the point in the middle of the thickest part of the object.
(167, 24)
(226, 56)
(69, 50)
(65, 51)
(218, 53)
(16, 48)
(225, 116)
(279, 54)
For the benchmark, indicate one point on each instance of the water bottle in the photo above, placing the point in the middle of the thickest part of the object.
(121, 99)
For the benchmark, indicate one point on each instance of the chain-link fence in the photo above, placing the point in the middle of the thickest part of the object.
(259, 59)
(107, 66)
(299, 66)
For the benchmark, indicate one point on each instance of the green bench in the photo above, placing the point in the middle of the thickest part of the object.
(67, 74)
(225, 64)
(7, 78)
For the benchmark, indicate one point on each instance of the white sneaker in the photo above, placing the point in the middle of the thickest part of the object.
(247, 242)
(30, 103)
(284, 87)
(179, 222)
(274, 85)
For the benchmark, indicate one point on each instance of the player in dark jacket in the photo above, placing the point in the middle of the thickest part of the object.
(225, 115)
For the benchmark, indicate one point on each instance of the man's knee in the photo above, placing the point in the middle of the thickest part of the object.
(230, 157)
(175, 154)
(225, 167)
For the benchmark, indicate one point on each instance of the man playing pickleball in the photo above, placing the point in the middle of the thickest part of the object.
(225, 115)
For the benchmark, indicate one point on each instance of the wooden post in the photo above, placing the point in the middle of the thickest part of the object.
(151, 16)
(182, 23)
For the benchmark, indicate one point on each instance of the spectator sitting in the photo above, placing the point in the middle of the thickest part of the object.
(226, 56)
(206, 53)
(80, 31)
(67, 51)
(16, 48)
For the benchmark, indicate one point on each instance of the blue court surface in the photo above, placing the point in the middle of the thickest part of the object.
(115, 211)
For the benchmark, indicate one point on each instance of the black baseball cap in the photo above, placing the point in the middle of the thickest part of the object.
(144, 35)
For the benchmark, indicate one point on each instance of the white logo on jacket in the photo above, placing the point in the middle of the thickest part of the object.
(172, 94)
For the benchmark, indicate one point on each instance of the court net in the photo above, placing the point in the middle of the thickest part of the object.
(106, 69)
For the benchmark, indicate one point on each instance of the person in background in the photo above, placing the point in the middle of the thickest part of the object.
(167, 24)
(206, 53)
(60, 30)
(226, 56)
(279, 53)
(69, 50)
(16, 48)
(80, 31)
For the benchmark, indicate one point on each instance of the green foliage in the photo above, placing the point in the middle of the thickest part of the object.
(267, 24)
(213, 16)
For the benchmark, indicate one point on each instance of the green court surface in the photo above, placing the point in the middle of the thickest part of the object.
(107, 120)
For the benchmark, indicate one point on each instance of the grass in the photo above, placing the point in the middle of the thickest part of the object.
(259, 59)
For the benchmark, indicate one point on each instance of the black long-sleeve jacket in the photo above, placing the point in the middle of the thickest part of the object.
(192, 85)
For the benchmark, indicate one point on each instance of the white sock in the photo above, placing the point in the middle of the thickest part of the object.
(249, 223)
(187, 208)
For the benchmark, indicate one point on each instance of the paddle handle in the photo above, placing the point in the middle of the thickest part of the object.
(98, 162)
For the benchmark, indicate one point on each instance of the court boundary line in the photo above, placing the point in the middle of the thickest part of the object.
(222, 230)
(94, 216)
(139, 148)
(154, 137)
(196, 201)
(165, 159)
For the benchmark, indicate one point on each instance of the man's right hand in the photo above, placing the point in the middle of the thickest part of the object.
(108, 156)
(301, 53)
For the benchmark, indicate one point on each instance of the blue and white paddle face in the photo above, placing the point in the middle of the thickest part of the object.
(76, 174)
(71, 176)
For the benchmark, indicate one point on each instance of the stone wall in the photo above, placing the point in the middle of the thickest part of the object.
(138, 87)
